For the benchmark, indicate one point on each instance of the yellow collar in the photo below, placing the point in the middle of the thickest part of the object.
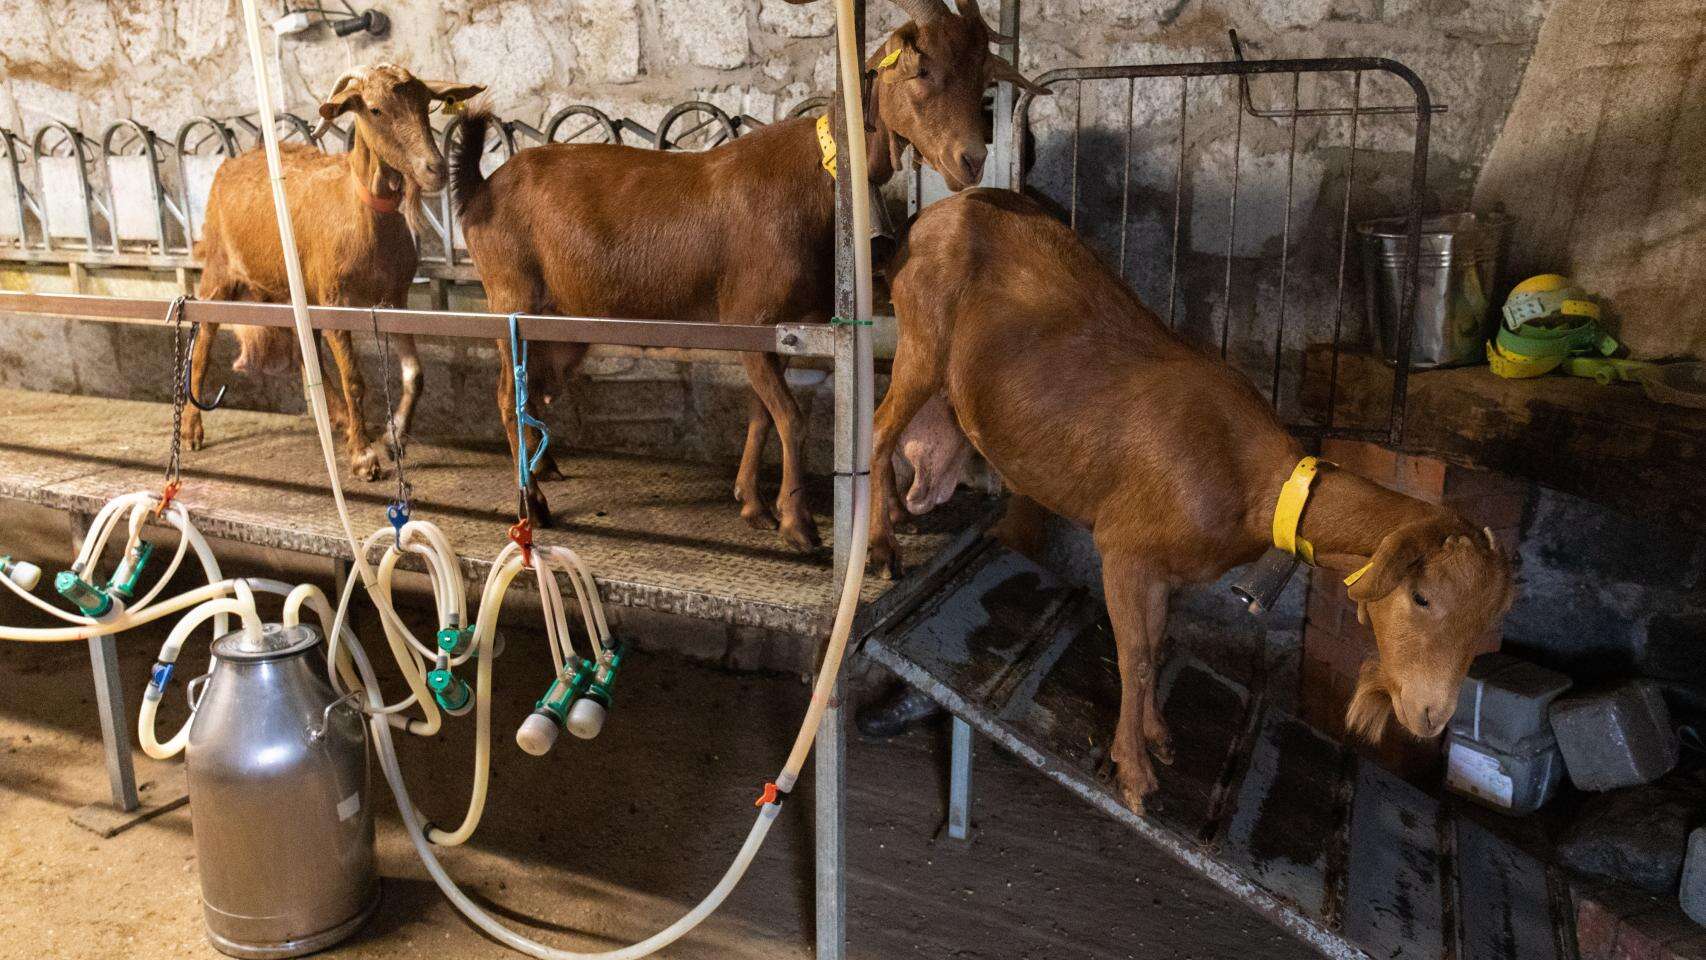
(826, 143)
(1288, 514)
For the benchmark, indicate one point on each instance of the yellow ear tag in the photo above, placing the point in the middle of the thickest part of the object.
(889, 60)
(453, 108)
(1358, 572)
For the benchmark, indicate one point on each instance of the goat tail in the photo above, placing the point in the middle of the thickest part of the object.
(467, 183)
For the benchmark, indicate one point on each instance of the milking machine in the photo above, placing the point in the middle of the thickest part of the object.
(276, 749)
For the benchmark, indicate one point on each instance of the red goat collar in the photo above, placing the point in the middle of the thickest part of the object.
(377, 203)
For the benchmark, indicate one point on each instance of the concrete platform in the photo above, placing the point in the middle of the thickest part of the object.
(660, 534)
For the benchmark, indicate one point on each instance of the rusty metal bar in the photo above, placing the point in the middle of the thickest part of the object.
(1125, 182)
(809, 340)
(1178, 204)
(1231, 234)
(1297, 111)
(1285, 242)
(1344, 246)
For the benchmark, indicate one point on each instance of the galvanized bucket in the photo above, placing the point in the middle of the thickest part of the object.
(1459, 268)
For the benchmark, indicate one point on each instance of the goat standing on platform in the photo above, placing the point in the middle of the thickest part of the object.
(742, 233)
(1089, 407)
(357, 249)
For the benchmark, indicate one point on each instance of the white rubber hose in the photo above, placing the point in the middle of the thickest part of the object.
(122, 616)
(859, 185)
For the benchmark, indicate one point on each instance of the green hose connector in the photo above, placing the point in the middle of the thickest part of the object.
(592, 708)
(452, 692)
(538, 733)
(453, 640)
(86, 596)
(123, 583)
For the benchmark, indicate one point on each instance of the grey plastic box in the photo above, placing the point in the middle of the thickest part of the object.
(1692, 894)
(1501, 752)
(1613, 738)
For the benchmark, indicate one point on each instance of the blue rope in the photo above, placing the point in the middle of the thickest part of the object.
(524, 464)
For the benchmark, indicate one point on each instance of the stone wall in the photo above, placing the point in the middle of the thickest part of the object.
(92, 61)
(95, 61)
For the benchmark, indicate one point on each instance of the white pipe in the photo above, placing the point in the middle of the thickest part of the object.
(858, 177)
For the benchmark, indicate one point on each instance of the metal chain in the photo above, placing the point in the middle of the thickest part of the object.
(180, 390)
(404, 491)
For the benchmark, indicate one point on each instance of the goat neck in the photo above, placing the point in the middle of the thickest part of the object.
(1347, 515)
(378, 186)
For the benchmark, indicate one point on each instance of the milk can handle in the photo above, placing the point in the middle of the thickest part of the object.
(191, 688)
(317, 734)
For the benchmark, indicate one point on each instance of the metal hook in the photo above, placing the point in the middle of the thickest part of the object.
(189, 384)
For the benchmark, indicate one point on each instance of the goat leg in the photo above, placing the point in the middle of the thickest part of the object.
(912, 385)
(797, 525)
(366, 462)
(190, 431)
(1137, 606)
(409, 369)
(753, 509)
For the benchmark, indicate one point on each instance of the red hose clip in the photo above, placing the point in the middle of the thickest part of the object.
(167, 495)
(521, 533)
(771, 794)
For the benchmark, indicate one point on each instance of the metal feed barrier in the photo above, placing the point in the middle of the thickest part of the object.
(133, 198)
(1165, 192)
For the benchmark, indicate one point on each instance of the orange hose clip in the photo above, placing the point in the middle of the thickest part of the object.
(521, 532)
(770, 795)
(167, 495)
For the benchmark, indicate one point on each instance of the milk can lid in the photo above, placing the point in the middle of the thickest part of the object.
(275, 643)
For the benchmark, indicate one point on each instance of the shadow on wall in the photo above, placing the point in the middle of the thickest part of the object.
(1240, 231)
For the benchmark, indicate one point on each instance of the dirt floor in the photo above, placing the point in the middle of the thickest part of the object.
(603, 843)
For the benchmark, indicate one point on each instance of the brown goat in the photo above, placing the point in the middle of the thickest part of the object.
(349, 213)
(742, 233)
(1089, 407)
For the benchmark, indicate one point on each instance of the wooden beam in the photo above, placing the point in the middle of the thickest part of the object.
(1607, 444)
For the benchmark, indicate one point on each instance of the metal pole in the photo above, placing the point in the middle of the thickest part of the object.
(831, 759)
(109, 702)
(959, 782)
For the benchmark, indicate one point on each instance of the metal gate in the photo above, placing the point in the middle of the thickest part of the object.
(1253, 205)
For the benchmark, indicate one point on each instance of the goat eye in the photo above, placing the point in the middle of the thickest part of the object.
(1419, 600)
(373, 110)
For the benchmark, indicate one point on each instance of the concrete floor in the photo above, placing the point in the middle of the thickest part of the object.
(602, 843)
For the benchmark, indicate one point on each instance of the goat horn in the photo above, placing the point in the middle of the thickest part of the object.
(923, 11)
(344, 80)
(969, 11)
(1492, 541)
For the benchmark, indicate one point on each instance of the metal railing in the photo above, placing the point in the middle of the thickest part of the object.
(1164, 200)
(135, 198)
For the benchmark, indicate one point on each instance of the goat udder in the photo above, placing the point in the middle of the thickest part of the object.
(937, 451)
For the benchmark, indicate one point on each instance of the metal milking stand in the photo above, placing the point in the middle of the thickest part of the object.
(997, 172)
(126, 809)
(830, 767)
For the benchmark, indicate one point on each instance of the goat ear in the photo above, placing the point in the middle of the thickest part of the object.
(451, 92)
(897, 59)
(997, 70)
(1399, 553)
(343, 98)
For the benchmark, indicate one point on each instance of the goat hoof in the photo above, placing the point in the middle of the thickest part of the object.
(758, 516)
(802, 535)
(883, 559)
(1136, 782)
(192, 435)
(548, 469)
(367, 466)
(1162, 750)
